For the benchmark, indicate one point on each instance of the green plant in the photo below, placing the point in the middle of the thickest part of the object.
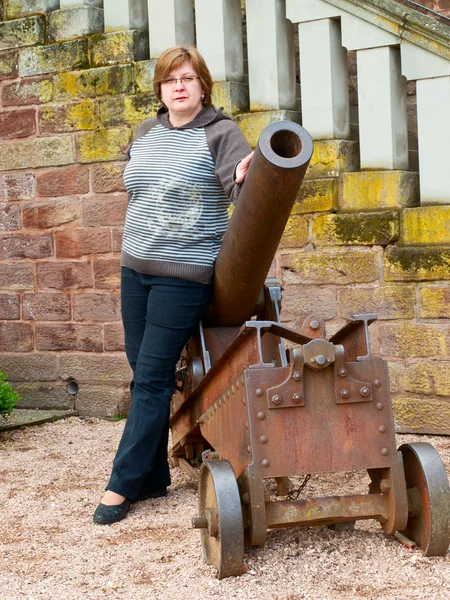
(8, 397)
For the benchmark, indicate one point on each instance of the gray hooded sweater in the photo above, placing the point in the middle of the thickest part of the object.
(180, 181)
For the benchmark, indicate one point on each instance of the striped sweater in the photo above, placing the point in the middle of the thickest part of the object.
(180, 181)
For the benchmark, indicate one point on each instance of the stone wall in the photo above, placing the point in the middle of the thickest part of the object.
(356, 241)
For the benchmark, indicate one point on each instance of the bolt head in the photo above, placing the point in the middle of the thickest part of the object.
(266, 462)
(321, 360)
(261, 416)
(297, 376)
(382, 429)
(384, 451)
(377, 383)
(345, 393)
(296, 397)
(342, 372)
(380, 406)
(259, 392)
(276, 399)
(263, 439)
(364, 391)
(314, 324)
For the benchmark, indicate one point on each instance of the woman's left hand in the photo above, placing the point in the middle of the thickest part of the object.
(242, 168)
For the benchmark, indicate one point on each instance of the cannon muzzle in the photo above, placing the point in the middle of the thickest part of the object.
(269, 191)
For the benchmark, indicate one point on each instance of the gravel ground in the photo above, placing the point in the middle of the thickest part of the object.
(51, 479)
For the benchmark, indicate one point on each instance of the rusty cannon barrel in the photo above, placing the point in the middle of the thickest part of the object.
(269, 191)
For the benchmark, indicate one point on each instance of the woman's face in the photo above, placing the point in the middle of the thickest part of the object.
(182, 91)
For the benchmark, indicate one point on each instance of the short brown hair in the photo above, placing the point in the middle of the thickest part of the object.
(172, 58)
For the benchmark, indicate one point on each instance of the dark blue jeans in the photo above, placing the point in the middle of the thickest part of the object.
(159, 315)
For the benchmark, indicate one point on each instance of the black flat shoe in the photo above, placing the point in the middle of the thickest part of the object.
(106, 515)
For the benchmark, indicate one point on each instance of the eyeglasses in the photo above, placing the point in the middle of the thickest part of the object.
(188, 79)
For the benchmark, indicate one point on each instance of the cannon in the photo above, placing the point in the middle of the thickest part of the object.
(257, 400)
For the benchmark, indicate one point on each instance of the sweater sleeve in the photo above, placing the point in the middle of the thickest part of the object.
(228, 147)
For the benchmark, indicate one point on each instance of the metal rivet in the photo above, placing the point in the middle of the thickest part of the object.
(342, 372)
(244, 401)
(380, 406)
(384, 451)
(266, 462)
(377, 383)
(263, 439)
(296, 397)
(246, 498)
(364, 391)
(249, 450)
(345, 393)
(259, 392)
(314, 324)
(242, 380)
(382, 429)
(261, 416)
(246, 426)
(276, 399)
(297, 376)
(237, 385)
(321, 360)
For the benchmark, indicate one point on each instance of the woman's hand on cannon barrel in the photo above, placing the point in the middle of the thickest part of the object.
(242, 168)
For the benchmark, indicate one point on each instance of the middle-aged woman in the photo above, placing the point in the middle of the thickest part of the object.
(185, 167)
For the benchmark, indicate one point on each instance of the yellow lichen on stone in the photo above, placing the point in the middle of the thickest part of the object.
(316, 195)
(69, 117)
(434, 302)
(363, 229)
(332, 157)
(375, 190)
(252, 124)
(295, 233)
(414, 340)
(425, 226)
(409, 263)
(417, 378)
(388, 302)
(103, 145)
(421, 416)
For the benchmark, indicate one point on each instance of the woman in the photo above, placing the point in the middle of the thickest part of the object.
(185, 166)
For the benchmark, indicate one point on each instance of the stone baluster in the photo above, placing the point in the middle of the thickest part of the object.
(324, 80)
(271, 56)
(171, 23)
(125, 14)
(219, 37)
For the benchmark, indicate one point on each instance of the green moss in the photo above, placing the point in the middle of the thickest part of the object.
(375, 228)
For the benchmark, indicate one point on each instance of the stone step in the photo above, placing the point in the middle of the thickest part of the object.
(22, 32)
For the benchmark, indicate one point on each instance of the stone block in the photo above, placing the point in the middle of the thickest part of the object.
(86, 338)
(17, 123)
(124, 401)
(107, 273)
(53, 58)
(103, 145)
(9, 308)
(60, 118)
(331, 267)
(9, 217)
(30, 367)
(17, 186)
(296, 233)
(378, 190)
(387, 302)
(117, 235)
(46, 307)
(104, 210)
(333, 157)
(74, 243)
(144, 71)
(99, 401)
(36, 90)
(395, 377)
(118, 47)
(299, 300)
(94, 368)
(416, 264)
(441, 376)
(60, 275)
(316, 195)
(40, 152)
(233, 97)
(418, 378)
(363, 229)
(22, 32)
(106, 178)
(18, 8)
(44, 396)
(425, 226)
(26, 246)
(9, 64)
(16, 337)
(66, 181)
(113, 337)
(411, 340)
(129, 110)
(109, 81)
(96, 307)
(252, 124)
(74, 23)
(53, 213)
(434, 302)
(16, 276)
(412, 415)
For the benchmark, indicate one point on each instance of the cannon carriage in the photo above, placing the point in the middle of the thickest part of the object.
(253, 409)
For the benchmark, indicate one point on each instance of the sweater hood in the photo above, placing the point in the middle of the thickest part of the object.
(208, 115)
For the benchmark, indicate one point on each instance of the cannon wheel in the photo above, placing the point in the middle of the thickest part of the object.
(428, 498)
(220, 505)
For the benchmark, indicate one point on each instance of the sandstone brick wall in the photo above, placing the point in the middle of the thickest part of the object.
(356, 241)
